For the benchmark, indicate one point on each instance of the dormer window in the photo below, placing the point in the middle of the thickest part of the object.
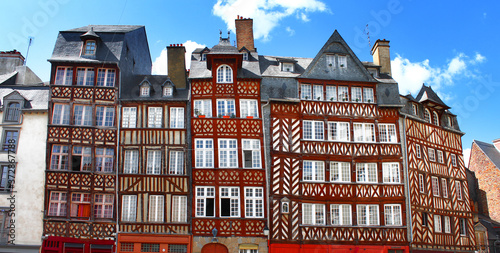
(224, 74)
(203, 57)
(168, 91)
(245, 56)
(330, 60)
(145, 91)
(427, 115)
(287, 67)
(450, 121)
(342, 61)
(414, 108)
(89, 47)
(435, 118)
(13, 112)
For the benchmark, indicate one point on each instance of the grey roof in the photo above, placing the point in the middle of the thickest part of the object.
(426, 94)
(224, 47)
(8, 78)
(270, 67)
(490, 151)
(106, 28)
(130, 90)
(37, 97)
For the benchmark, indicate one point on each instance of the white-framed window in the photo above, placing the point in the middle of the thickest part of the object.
(287, 66)
(224, 74)
(228, 153)
(81, 158)
(82, 115)
(447, 224)
(341, 214)
(60, 114)
(254, 202)
(427, 115)
(437, 223)
(453, 160)
(64, 76)
(421, 183)
(418, 151)
(343, 93)
(390, 173)
(145, 90)
(168, 91)
(106, 77)
(59, 157)
(176, 163)
(305, 91)
(313, 130)
(251, 153)
(462, 223)
(245, 56)
(248, 107)
(444, 186)
(414, 109)
(364, 132)
(368, 96)
(318, 92)
(129, 207)
(392, 214)
(203, 107)
(89, 47)
(104, 158)
(176, 117)
(342, 61)
(368, 215)
(156, 204)
(179, 207)
(154, 162)
(330, 60)
(331, 93)
(440, 156)
(338, 131)
(366, 173)
(313, 171)
(105, 116)
(155, 116)
(432, 154)
(57, 204)
(458, 189)
(85, 76)
(229, 202)
(313, 214)
(204, 153)
(435, 186)
(356, 94)
(340, 172)
(205, 201)
(103, 206)
(387, 133)
(225, 107)
(204, 57)
(435, 118)
(131, 161)
(129, 117)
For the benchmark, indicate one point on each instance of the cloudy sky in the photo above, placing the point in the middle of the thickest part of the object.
(451, 46)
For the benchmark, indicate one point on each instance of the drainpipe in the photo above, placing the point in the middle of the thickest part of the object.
(407, 181)
(116, 173)
(264, 145)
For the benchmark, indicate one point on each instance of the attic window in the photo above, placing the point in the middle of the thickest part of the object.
(435, 118)
(287, 67)
(203, 57)
(145, 90)
(245, 56)
(13, 112)
(450, 121)
(427, 115)
(224, 74)
(330, 60)
(89, 47)
(342, 61)
(168, 91)
(415, 110)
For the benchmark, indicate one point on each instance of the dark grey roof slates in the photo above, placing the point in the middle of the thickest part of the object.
(426, 93)
(130, 90)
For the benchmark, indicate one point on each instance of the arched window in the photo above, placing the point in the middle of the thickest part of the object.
(435, 118)
(224, 74)
(13, 111)
(427, 115)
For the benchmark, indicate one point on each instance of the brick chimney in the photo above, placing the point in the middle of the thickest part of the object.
(497, 144)
(382, 56)
(244, 33)
(176, 54)
(9, 60)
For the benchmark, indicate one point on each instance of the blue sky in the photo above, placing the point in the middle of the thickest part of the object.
(449, 45)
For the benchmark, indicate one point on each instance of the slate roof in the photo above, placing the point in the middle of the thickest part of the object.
(37, 96)
(490, 151)
(270, 66)
(224, 47)
(106, 28)
(426, 94)
(130, 90)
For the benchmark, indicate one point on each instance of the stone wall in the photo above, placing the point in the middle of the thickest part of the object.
(232, 243)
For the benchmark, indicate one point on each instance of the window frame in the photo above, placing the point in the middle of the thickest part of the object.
(207, 153)
(61, 204)
(435, 186)
(340, 133)
(226, 107)
(444, 187)
(315, 220)
(462, 224)
(129, 208)
(344, 214)
(60, 116)
(356, 94)
(367, 221)
(318, 89)
(131, 161)
(418, 151)
(179, 207)
(105, 116)
(440, 156)
(435, 118)
(129, 117)
(254, 202)
(391, 173)
(89, 48)
(67, 76)
(421, 183)
(88, 78)
(12, 111)
(365, 168)
(447, 224)
(459, 190)
(453, 158)
(105, 203)
(252, 146)
(7, 177)
(393, 214)
(228, 153)
(438, 226)
(155, 117)
(107, 158)
(387, 133)
(156, 208)
(342, 61)
(343, 176)
(83, 116)
(234, 198)
(287, 67)
(427, 115)
(224, 74)
(343, 95)
(317, 171)
(207, 192)
(432, 154)
(315, 135)
(176, 162)
(177, 117)
(362, 131)
(109, 78)
(202, 107)
(331, 93)
(249, 110)
(9, 134)
(368, 95)
(154, 162)
(82, 199)
(61, 157)
(85, 154)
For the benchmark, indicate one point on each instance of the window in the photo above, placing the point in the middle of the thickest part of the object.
(447, 224)
(131, 161)
(179, 207)
(145, 90)
(177, 248)
(392, 214)
(313, 130)
(12, 112)
(285, 207)
(342, 61)
(104, 159)
(155, 117)
(106, 77)
(89, 48)
(245, 56)
(204, 153)
(462, 226)
(150, 247)
(85, 76)
(340, 172)
(64, 76)
(10, 140)
(450, 121)
(414, 109)
(229, 202)
(338, 131)
(305, 91)
(368, 95)
(129, 207)
(156, 203)
(177, 117)
(330, 60)
(105, 116)
(435, 186)
(224, 74)
(225, 107)
(249, 108)
(453, 160)
(421, 183)
(343, 93)
(331, 93)
(203, 107)
(313, 214)
(366, 172)
(82, 115)
(81, 159)
(204, 57)
(318, 92)
(251, 154)
(168, 91)
(154, 162)
(368, 215)
(228, 153)
(129, 117)
(437, 224)
(256, 250)
(417, 148)
(341, 214)
(435, 118)
(444, 185)
(313, 171)
(440, 156)
(60, 114)
(287, 67)
(59, 157)
(356, 95)
(205, 201)
(458, 189)
(427, 116)
(432, 154)
(390, 173)
(254, 202)
(176, 164)
(7, 176)
(388, 133)
(103, 206)
(364, 132)
(80, 205)
(57, 204)
(425, 221)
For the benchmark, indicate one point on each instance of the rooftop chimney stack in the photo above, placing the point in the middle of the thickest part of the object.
(177, 65)
(244, 33)
(497, 144)
(9, 60)
(382, 56)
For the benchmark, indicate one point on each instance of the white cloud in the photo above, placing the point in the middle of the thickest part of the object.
(160, 64)
(266, 13)
(479, 58)
(290, 31)
(466, 156)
